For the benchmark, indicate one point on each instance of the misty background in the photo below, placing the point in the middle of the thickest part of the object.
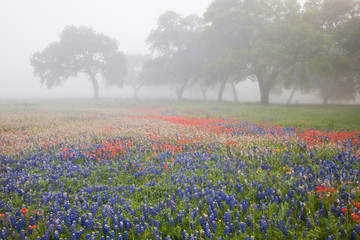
(29, 26)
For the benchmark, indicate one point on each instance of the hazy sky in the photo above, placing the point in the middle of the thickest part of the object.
(28, 26)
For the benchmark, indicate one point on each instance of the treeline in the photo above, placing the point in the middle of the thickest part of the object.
(277, 43)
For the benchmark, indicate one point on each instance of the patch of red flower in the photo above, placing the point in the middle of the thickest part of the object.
(229, 142)
(109, 149)
(356, 217)
(316, 137)
(344, 210)
(214, 125)
(24, 211)
(357, 205)
(33, 227)
(166, 167)
(321, 189)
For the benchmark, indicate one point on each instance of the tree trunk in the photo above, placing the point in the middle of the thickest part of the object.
(221, 90)
(136, 92)
(291, 96)
(180, 91)
(327, 90)
(325, 93)
(264, 90)
(203, 92)
(325, 100)
(95, 84)
(265, 87)
(204, 95)
(264, 96)
(236, 99)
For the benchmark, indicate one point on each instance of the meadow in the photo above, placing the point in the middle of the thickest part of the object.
(168, 170)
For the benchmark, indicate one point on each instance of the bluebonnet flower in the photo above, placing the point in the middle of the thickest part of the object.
(192, 226)
(286, 232)
(3, 233)
(227, 230)
(353, 235)
(155, 232)
(138, 229)
(13, 221)
(172, 222)
(227, 217)
(200, 205)
(342, 231)
(46, 235)
(32, 221)
(83, 220)
(22, 234)
(185, 235)
(207, 230)
(56, 235)
(106, 229)
(214, 226)
(202, 220)
(308, 223)
(216, 217)
(263, 226)
(357, 228)
(194, 213)
(243, 227)
(127, 224)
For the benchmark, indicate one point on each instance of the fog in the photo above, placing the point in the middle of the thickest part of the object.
(29, 26)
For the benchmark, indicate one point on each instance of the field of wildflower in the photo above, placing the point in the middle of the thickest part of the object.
(155, 172)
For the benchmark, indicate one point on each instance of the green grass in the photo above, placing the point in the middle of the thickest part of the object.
(333, 117)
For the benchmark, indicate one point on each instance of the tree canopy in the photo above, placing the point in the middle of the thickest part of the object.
(175, 39)
(135, 66)
(80, 50)
(279, 44)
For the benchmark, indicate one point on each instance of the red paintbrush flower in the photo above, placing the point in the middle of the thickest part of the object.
(356, 217)
(344, 210)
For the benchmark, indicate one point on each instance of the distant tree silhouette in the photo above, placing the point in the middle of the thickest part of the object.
(80, 50)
